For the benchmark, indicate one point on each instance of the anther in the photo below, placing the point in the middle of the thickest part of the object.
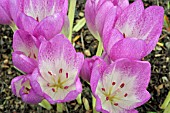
(122, 85)
(103, 89)
(48, 84)
(107, 98)
(113, 83)
(50, 73)
(116, 104)
(35, 56)
(53, 89)
(125, 95)
(66, 75)
(61, 70)
(66, 87)
(37, 19)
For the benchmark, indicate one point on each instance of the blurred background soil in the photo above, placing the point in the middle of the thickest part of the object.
(85, 43)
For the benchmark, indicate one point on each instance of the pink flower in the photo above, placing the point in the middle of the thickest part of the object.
(30, 15)
(8, 11)
(121, 86)
(25, 52)
(21, 87)
(87, 67)
(59, 66)
(98, 12)
(135, 32)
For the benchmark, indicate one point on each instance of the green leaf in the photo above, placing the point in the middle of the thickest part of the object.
(80, 24)
(45, 104)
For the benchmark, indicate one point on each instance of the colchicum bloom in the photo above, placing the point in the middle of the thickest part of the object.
(21, 87)
(27, 14)
(87, 67)
(135, 32)
(25, 52)
(121, 86)
(99, 11)
(59, 66)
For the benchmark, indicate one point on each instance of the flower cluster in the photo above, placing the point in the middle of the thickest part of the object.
(128, 33)
(42, 51)
(51, 65)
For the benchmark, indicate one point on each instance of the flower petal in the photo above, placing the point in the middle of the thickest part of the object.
(40, 9)
(26, 43)
(121, 3)
(31, 97)
(91, 9)
(5, 17)
(87, 67)
(50, 26)
(106, 10)
(110, 39)
(26, 23)
(131, 48)
(126, 21)
(22, 62)
(16, 85)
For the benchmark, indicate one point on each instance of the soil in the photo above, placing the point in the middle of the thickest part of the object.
(84, 42)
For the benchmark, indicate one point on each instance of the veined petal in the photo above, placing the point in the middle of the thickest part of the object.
(26, 43)
(26, 23)
(91, 9)
(21, 88)
(87, 67)
(50, 26)
(110, 39)
(40, 9)
(105, 10)
(152, 26)
(121, 3)
(22, 62)
(5, 17)
(59, 67)
(126, 21)
(16, 85)
(31, 97)
(122, 86)
(131, 48)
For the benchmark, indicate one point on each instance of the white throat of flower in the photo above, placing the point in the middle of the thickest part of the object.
(58, 82)
(116, 92)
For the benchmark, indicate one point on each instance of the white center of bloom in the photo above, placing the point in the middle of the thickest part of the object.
(57, 79)
(116, 93)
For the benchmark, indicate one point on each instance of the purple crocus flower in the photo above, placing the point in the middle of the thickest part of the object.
(59, 67)
(87, 67)
(21, 87)
(135, 32)
(99, 11)
(8, 11)
(121, 86)
(25, 52)
(28, 14)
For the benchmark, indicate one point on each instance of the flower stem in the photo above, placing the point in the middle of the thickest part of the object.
(79, 99)
(45, 104)
(167, 109)
(60, 107)
(99, 49)
(166, 101)
(72, 6)
(13, 27)
(94, 104)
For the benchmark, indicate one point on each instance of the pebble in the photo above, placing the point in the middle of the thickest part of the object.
(6, 61)
(87, 52)
(81, 14)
